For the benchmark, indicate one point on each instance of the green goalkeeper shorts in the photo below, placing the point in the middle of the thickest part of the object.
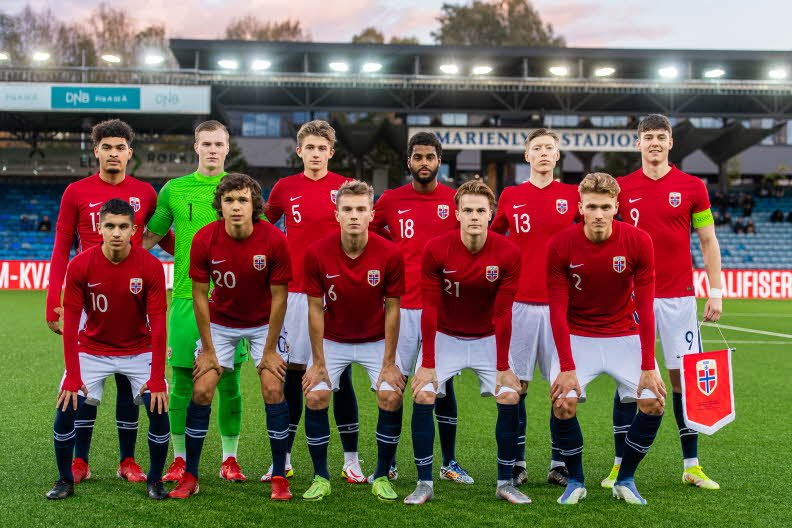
(183, 336)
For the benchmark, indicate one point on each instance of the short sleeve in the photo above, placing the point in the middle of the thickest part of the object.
(312, 281)
(199, 259)
(701, 201)
(380, 223)
(273, 209)
(162, 219)
(394, 274)
(280, 261)
(501, 222)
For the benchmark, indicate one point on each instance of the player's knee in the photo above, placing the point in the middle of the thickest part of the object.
(651, 406)
(272, 392)
(566, 410)
(389, 400)
(523, 386)
(508, 398)
(203, 393)
(317, 400)
(425, 398)
(295, 366)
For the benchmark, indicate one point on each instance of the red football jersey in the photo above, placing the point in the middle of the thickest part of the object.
(241, 270)
(533, 215)
(79, 213)
(412, 219)
(467, 293)
(591, 288)
(309, 209)
(354, 289)
(664, 208)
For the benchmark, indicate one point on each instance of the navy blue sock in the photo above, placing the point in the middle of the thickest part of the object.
(127, 415)
(570, 443)
(447, 417)
(687, 437)
(506, 437)
(623, 416)
(278, 431)
(556, 459)
(345, 412)
(293, 392)
(522, 424)
(389, 425)
(639, 439)
(158, 438)
(423, 439)
(195, 432)
(83, 427)
(317, 432)
(63, 435)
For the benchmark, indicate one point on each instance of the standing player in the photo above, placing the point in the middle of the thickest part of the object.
(79, 214)
(600, 275)
(469, 281)
(531, 213)
(664, 201)
(306, 201)
(411, 216)
(360, 275)
(248, 262)
(121, 289)
(186, 203)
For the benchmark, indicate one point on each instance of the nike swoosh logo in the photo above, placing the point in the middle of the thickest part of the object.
(402, 211)
(331, 276)
(518, 206)
(295, 198)
(94, 284)
(631, 200)
(94, 204)
(575, 265)
(217, 261)
(449, 271)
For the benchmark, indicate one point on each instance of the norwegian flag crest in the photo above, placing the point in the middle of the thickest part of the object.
(136, 285)
(374, 277)
(259, 262)
(134, 201)
(443, 211)
(707, 376)
(562, 206)
(675, 199)
(492, 273)
(619, 264)
(333, 195)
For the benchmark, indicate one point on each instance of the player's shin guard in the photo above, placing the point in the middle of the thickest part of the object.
(522, 425)
(83, 428)
(423, 439)
(293, 392)
(556, 459)
(229, 410)
(687, 437)
(506, 437)
(195, 433)
(180, 396)
(158, 437)
(570, 444)
(639, 439)
(389, 425)
(278, 431)
(127, 415)
(447, 418)
(623, 416)
(63, 435)
(317, 433)
(345, 411)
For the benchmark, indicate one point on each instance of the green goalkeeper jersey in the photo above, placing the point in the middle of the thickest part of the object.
(186, 204)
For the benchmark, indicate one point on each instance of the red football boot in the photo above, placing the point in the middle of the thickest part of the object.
(129, 470)
(231, 471)
(80, 470)
(175, 471)
(280, 489)
(186, 488)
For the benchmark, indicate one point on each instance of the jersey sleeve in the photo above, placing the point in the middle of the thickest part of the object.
(156, 306)
(380, 223)
(280, 273)
(199, 260)
(644, 290)
(312, 280)
(72, 309)
(558, 297)
(701, 208)
(162, 219)
(504, 300)
(430, 283)
(500, 224)
(273, 209)
(65, 228)
(394, 275)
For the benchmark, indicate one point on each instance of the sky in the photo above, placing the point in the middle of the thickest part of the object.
(680, 24)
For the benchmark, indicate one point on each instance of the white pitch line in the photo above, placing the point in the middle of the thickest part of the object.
(785, 343)
(731, 314)
(749, 330)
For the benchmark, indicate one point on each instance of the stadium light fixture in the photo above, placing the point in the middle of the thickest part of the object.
(604, 71)
(481, 69)
(260, 65)
(559, 70)
(449, 69)
(339, 66)
(153, 59)
(668, 72)
(778, 74)
(228, 64)
(4, 56)
(41, 56)
(371, 67)
(111, 58)
(714, 73)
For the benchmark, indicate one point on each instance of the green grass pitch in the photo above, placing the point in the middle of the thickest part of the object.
(747, 457)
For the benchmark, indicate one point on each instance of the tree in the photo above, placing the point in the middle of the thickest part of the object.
(494, 23)
(249, 27)
(370, 35)
(404, 41)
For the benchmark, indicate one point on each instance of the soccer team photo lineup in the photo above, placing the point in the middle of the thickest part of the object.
(547, 281)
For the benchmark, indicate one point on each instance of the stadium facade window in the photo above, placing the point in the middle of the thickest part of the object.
(706, 122)
(768, 123)
(355, 117)
(419, 120)
(561, 121)
(609, 121)
(261, 125)
(300, 117)
(324, 116)
(454, 119)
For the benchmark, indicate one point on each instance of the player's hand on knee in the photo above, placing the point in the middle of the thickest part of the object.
(273, 362)
(315, 374)
(391, 374)
(713, 309)
(159, 402)
(651, 380)
(206, 361)
(423, 376)
(506, 378)
(66, 396)
(56, 326)
(563, 384)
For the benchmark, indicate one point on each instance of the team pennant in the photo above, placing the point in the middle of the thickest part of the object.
(708, 390)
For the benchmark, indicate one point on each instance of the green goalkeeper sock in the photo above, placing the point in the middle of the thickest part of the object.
(229, 415)
(181, 393)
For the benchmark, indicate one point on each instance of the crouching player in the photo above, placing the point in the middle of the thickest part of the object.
(601, 289)
(121, 288)
(360, 277)
(469, 282)
(248, 262)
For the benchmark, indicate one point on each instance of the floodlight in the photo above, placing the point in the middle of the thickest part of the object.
(481, 69)
(604, 71)
(449, 69)
(340, 67)
(371, 67)
(559, 70)
(668, 72)
(112, 59)
(714, 73)
(41, 56)
(260, 64)
(228, 64)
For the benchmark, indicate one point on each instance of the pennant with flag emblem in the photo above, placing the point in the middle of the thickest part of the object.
(708, 390)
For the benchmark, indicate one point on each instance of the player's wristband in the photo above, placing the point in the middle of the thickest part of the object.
(715, 293)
